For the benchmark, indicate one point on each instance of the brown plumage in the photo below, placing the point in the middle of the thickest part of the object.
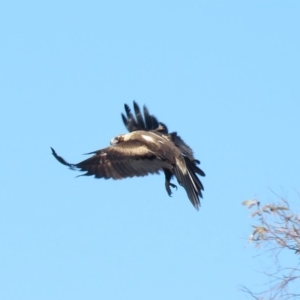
(149, 122)
(147, 149)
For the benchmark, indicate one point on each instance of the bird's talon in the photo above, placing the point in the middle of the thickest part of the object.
(173, 185)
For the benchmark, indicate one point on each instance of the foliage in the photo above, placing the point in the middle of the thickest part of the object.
(277, 230)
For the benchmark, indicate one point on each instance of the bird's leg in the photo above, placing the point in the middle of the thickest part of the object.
(168, 176)
(168, 184)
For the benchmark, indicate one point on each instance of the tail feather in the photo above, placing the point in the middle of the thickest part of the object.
(190, 181)
(194, 170)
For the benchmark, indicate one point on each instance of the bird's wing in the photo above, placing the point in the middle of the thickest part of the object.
(141, 121)
(138, 121)
(183, 147)
(127, 159)
(129, 120)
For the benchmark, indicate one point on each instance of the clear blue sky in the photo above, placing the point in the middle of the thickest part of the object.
(224, 74)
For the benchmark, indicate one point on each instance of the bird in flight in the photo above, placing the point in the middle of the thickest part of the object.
(147, 149)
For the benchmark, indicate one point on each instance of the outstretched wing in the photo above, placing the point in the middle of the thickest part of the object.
(127, 159)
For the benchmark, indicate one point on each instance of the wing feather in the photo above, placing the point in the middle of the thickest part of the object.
(127, 159)
(132, 157)
(129, 120)
(139, 116)
(149, 122)
(138, 121)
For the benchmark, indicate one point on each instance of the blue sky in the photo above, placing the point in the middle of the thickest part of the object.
(223, 74)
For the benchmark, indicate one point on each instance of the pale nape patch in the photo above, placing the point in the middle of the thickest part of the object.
(147, 138)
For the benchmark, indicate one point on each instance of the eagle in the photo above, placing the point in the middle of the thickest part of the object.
(147, 149)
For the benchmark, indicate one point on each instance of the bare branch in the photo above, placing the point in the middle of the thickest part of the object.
(276, 229)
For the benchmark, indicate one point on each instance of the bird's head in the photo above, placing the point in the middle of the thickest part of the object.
(117, 139)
